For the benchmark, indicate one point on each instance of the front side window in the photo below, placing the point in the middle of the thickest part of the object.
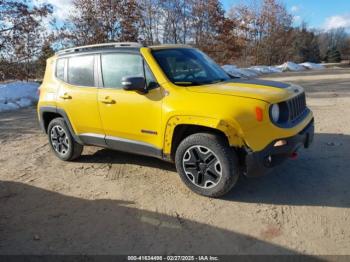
(118, 65)
(187, 66)
(81, 70)
(60, 68)
(150, 80)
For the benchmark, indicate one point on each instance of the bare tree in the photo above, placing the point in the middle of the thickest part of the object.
(337, 39)
(176, 20)
(267, 30)
(22, 34)
(150, 21)
(95, 21)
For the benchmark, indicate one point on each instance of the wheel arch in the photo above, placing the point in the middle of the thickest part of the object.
(179, 127)
(47, 114)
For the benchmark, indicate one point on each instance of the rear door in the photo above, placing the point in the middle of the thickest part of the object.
(77, 94)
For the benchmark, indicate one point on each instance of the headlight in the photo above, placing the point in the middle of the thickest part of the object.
(275, 112)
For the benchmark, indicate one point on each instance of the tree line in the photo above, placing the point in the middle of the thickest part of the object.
(258, 32)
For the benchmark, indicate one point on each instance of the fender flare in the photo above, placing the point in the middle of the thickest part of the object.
(61, 112)
(230, 130)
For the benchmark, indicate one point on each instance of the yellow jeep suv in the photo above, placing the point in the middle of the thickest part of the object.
(173, 103)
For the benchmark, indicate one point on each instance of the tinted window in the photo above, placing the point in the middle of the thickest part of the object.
(117, 66)
(60, 68)
(81, 70)
(189, 67)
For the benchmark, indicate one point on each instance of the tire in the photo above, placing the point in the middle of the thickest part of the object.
(61, 140)
(207, 164)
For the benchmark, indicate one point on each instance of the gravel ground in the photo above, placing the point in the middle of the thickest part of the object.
(109, 202)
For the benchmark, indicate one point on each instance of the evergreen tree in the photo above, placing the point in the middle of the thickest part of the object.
(333, 55)
(305, 46)
(46, 52)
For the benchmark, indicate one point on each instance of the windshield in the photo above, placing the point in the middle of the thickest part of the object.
(187, 66)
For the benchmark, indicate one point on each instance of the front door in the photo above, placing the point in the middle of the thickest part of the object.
(131, 120)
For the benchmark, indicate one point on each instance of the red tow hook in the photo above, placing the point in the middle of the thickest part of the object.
(294, 155)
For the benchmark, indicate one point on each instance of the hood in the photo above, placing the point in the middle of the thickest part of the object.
(269, 91)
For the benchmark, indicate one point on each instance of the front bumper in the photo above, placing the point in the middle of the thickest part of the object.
(261, 162)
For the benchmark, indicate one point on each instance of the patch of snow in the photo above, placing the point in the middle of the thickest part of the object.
(233, 70)
(8, 106)
(24, 102)
(264, 69)
(18, 94)
(290, 66)
(275, 69)
(312, 66)
(254, 71)
(249, 72)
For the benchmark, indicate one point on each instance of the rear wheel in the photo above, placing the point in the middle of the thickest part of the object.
(61, 140)
(207, 164)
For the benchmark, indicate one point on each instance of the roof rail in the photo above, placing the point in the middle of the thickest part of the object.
(89, 47)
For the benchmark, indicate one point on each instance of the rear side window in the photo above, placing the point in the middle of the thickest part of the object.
(81, 70)
(60, 68)
(117, 66)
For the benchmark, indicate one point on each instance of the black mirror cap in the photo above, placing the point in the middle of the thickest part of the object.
(152, 85)
(136, 83)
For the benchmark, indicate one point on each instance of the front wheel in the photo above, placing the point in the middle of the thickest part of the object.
(207, 164)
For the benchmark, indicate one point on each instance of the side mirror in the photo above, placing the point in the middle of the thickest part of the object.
(136, 83)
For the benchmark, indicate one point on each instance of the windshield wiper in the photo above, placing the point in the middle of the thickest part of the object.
(187, 83)
(194, 83)
(217, 81)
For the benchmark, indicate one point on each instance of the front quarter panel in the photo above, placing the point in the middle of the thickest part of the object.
(231, 115)
(259, 137)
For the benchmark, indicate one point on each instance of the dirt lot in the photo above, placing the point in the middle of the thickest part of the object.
(115, 203)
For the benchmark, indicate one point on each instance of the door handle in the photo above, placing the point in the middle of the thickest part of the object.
(65, 96)
(108, 100)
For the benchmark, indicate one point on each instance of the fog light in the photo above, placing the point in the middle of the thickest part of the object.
(280, 143)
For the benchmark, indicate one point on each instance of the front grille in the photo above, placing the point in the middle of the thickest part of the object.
(296, 107)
